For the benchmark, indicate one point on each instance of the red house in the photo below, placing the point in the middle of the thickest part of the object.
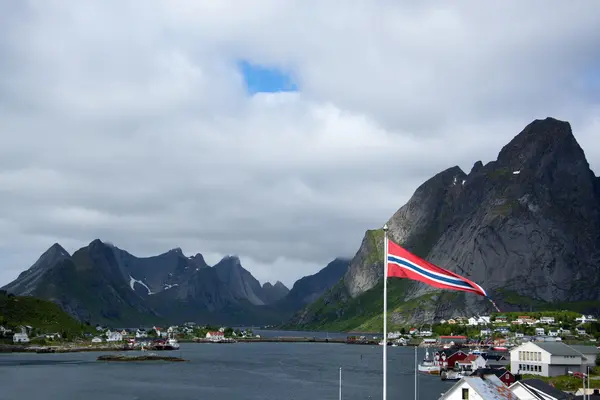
(448, 361)
(502, 373)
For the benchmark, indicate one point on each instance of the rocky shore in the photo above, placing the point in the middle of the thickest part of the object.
(149, 357)
(65, 348)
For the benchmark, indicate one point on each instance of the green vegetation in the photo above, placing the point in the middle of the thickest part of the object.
(338, 312)
(564, 382)
(42, 315)
(579, 307)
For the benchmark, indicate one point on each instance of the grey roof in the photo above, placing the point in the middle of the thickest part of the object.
(557, 349)
(539, 385)
(585, 349)
(490, 388)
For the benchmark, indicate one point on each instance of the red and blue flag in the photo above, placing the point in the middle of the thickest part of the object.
(403, 264)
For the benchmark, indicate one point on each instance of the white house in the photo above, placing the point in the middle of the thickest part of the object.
(580, 331)
(550, 358)
(141, 334)
(553, 333)
(426, 332)
(96, 339)
(114, 337)
(215, 336)
(485, 332)
(585, 318)
(4, 331)
(476, 388)
(20, 338)
(547, 320)
(540, 332)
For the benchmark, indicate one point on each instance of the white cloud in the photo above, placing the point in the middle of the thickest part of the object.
(128, 121)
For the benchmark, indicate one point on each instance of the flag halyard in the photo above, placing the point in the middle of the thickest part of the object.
(403, 264)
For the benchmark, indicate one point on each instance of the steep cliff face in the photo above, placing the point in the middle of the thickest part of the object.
(526, 227)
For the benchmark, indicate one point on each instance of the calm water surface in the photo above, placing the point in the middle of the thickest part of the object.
(239, 371)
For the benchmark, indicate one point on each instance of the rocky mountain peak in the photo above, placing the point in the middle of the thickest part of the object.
(280, 285)
(478, 166)
(538, 143)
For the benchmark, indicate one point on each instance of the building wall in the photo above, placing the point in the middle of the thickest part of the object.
(590, 359)
(529, 359)
(456, 393)
(566, 360)
(556, 370)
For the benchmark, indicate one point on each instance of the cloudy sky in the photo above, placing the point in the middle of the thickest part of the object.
(159, 124)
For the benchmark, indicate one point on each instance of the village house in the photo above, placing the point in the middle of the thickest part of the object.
(215, 336)
(485, 332)
(501, 319)
(114, 336)
(551, 358)
(141, 333)
(426, 333)
(580, 331)
(448, 359)
(553, 333)
(452, 339)
(451, 321)
(564, 332)
(540, 332)
(394, 335)
(502, 373)
(472, 362)
(4, 331)
(585, 318)
(443, 321)
(413, 331)
(535, 389)
(481, 320)
(488, 387)
(546, 320)
(21, 337)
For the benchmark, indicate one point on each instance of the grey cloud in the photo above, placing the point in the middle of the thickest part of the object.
(128, 121)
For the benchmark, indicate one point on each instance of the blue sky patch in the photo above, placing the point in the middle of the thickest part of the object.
(259, 78)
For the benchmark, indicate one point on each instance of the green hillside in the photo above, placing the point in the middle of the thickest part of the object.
(42, 315)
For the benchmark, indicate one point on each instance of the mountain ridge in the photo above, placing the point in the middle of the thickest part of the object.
(102, 283)
(525, 226)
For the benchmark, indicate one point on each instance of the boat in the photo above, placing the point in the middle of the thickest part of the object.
(169, 344)
(428, 365)
(452, 375)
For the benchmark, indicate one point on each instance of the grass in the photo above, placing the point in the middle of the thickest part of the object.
(42, 315)
(565, 383)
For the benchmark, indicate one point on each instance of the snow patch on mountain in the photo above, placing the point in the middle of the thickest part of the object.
(133, 281)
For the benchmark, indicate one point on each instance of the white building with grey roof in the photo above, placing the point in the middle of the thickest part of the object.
(551, 358)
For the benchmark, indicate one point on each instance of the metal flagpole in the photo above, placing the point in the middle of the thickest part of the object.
(385, 272)
(340, 397)
(416, 372)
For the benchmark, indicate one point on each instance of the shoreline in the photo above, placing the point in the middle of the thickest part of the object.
(72, 348)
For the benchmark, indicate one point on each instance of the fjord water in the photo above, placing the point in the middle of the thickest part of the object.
(251, 371)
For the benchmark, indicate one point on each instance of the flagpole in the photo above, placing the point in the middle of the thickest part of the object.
(385, 272)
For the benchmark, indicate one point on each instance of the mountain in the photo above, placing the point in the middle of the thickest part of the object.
(274, 293)
(101, 283)
(526, 227)
(308, 289)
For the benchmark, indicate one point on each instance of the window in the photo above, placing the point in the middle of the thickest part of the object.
(465, 394)
(520, 356)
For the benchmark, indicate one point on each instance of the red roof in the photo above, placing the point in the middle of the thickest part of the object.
(453, 337)
(216, 333)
